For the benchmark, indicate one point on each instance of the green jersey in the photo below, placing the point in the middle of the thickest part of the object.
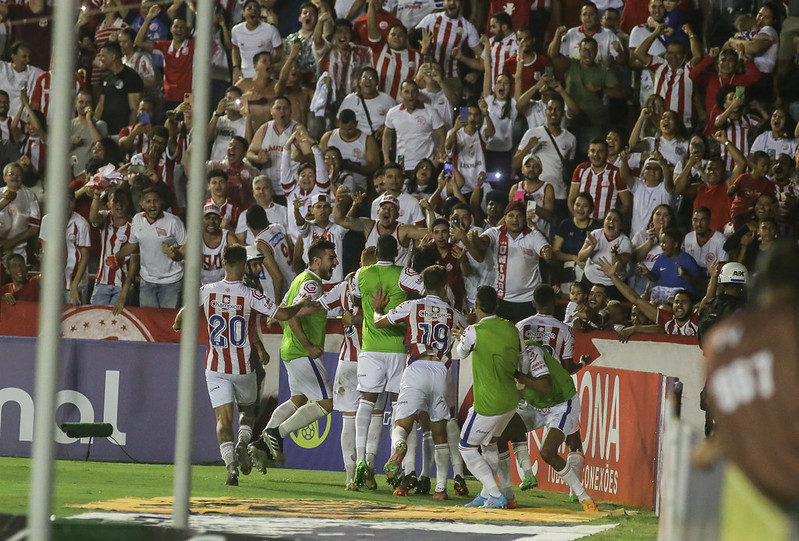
(495, 345)
(537, 362)
(396, 282)
(306, 284)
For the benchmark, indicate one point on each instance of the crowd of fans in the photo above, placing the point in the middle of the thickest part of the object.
(628, 156)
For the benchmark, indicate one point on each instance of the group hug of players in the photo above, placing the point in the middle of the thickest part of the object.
(410, 331)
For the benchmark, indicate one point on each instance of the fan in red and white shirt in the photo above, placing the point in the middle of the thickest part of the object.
(113, 281)
(534, 65)
(393, 60)
(503, 45)
(341, 59)
(450, 32)
(77, 254)
(602, 180)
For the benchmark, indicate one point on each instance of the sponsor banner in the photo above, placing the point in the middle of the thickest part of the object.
(132, 386)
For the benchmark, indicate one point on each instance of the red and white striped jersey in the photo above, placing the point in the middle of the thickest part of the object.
(394, 66)
(140, 143)
(448, 35)
(667, 320)
(5, 130)
(274, 238)
(230, 211)
(501, 51)
(35, 149)
(344, 67)
(339, 297)
(675, 86)
(604, 186)
(165, 169)
(41, 91)
(737, 132)
(229, 308)
(554, 336)
(113, 238)
(430, 321)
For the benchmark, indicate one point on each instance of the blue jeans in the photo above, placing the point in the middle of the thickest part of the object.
(160, 295)
(105, 295)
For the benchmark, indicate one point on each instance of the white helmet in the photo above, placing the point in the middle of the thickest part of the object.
(734, 273)
(253, 253)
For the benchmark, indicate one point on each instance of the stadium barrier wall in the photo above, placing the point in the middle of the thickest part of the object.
(119, 378)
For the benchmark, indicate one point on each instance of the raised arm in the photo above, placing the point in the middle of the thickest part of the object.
(553, 51)
(645, 307)
(141, 35)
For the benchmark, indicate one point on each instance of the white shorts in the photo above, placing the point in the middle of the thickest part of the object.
(423, 388)
(228, 388)
(481, 429)
(564, 416)
(378, 371)
(308, 377)
(345, 387)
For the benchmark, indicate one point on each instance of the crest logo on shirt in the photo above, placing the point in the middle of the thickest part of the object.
(420, 120)
(161, 231)
(118, 84)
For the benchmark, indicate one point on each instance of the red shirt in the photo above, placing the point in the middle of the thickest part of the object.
(716, 199)
(177, 68)
(29, 292)
(749, 189)
(711, 81)
(531, 73)
(384, 22)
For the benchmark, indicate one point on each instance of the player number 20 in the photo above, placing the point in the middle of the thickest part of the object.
(436, 335)
(237, 332)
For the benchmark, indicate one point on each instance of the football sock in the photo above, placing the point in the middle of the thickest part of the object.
(228, 453)
(428, 450)
(441, 451)
(245, 434)
(522, 453)
(409, 464)
(301, 418)
(373, 437)
(348, 445)
(570, 478)
(576, 460)
(481, 470)
(363, 418)
(281, 413)
(453, 436)
(503, 470)
(398, 434)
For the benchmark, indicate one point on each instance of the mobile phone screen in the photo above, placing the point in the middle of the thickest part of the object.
(463, 113)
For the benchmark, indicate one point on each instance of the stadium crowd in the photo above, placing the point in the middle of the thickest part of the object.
(630, 169)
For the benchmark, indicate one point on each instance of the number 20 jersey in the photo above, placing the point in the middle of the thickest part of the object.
(229, 308)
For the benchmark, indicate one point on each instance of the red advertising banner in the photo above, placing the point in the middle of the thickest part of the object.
(619, 430)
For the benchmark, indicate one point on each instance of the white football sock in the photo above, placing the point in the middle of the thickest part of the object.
(245, 434)
(227, 452)
(398, 434)
(281, 413)
(373, 437)
(428, 450)
(503, 471)
(453, 435)
(576, 461)
(441, 451)
(304, 416)
(574, 483)
(481, 470)
(363, 418)
(348, 445)
(522, 452)
(409, 463)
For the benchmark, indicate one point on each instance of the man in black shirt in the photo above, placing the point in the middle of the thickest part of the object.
(122, 88)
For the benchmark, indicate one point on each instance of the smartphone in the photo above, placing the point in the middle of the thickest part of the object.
(463, 114)
(531, 206)
(493, 177)
(519, 195)
(740, 91)
(549, 71)
(447, 170)
(455, 222)
(187, 98)
(144, 118)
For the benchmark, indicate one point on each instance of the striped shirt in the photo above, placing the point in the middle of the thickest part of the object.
(76, 237)
(667, 320)
(339, 297)
(502, 51)
(228, 308)
(448, 35)
(603, 186)
(113, 238)
(553, 335)
(737, 132)
(36, 149)
(675, 86)
(429, 326)
(394, 66)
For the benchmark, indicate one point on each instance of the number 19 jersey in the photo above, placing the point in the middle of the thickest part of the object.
(228, 308)
(430, 321)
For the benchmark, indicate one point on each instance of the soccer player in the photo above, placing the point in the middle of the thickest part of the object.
(551, 402)
(301, 350)
(494, 344)
(423, 387)
(228, 306)
(383, 354)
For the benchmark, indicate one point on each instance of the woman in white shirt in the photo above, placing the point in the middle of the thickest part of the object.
(502, 110)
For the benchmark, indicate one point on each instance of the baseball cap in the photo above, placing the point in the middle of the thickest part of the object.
(389, 199)
(320, 198)
(652, 161)
(253, 253)
(531, 156)
(211, 208)
(516, 205)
